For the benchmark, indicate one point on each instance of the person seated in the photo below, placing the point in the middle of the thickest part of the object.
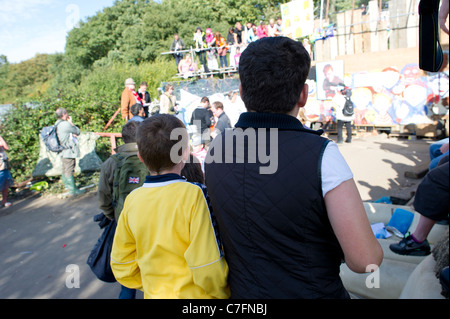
(262, 30)
(251, 33)
(437, 151)
(187, 66)
(138, 113)
(432, 202)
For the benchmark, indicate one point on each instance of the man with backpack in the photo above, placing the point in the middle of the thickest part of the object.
(67, 134)
(344, 113)
(120, 174)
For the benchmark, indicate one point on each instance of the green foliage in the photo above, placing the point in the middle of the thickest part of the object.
(20, 127)
(107, 78)
(26, 79)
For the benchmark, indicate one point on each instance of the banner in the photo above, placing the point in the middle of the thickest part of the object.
(298, 18)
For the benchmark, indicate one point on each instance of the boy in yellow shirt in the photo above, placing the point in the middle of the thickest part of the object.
(165, 242)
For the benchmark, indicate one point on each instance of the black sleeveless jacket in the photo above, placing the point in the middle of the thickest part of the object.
(277, 237)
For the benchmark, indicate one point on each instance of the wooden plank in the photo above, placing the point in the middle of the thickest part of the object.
(357, 31)
(349, 46)
(365, 34)
(373, 25)
(417, 171)
(382, 36)
(341, 40)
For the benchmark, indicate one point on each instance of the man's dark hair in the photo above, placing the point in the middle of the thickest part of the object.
(135, 108)
(204, 99)
(129, 132)
(273, 71)
(154, 143)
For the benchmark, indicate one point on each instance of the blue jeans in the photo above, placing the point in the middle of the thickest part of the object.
(435, 161)
(127, 293)
(435, 152)
(223, 61)
(434, 148)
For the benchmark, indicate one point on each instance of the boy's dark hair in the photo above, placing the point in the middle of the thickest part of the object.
(273, 71)
(154, 142)
(192, 170)
(135, 108)
(129, 132)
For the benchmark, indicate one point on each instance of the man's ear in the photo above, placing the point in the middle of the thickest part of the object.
(303, 96)
(240, 90)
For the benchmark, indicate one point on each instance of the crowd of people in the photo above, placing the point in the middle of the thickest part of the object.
(209, 223)
(235, 250)
(206, 122)
(200, 232)
(211, 46)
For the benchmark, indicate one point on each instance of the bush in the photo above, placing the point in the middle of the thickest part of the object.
(91, 105)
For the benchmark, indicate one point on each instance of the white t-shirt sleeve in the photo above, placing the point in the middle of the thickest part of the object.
(335, 169)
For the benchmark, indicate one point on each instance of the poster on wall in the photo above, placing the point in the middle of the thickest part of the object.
(298, 18)
(328, 76)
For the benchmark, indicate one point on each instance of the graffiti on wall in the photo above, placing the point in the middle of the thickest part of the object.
(387, 97)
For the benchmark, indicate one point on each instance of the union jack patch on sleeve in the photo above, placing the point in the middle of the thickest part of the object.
(133, 180)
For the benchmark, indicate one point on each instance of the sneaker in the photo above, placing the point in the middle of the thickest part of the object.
(407, 246)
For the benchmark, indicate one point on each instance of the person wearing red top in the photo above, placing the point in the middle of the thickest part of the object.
(262, 30)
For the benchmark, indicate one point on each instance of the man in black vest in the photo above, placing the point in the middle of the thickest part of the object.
(285, 200)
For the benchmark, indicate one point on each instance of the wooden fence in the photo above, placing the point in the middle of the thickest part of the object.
(357, 31)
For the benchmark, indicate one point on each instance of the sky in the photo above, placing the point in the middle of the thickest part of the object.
(28, 27)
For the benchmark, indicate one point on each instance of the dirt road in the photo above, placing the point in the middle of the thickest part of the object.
(45, 241)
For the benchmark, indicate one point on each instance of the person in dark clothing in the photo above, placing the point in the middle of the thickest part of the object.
(202, 118)
(177, 45)
(285, 200)
(230, 37)
(237, 32)
(432, 202)
(145, 97)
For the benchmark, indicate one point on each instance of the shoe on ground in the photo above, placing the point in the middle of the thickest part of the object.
(407, 246)
(7, 204)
